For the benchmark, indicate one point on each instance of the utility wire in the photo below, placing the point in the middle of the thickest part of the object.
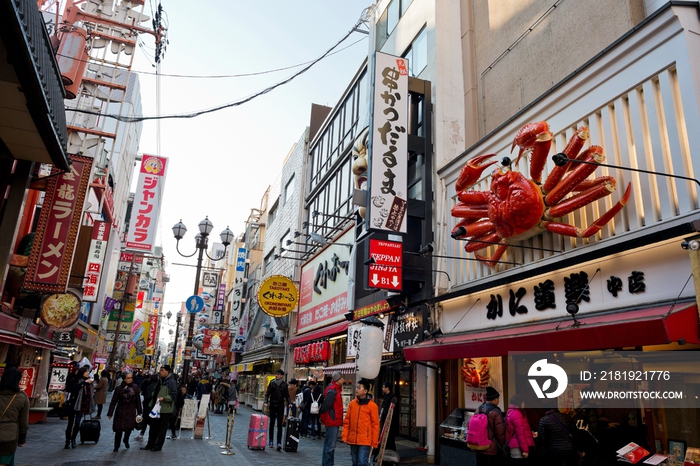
(135, 119)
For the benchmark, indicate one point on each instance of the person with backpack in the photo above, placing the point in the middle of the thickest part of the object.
(277, 399)
(518, 433)
(486, 432)
(222, 397)
(556, 435)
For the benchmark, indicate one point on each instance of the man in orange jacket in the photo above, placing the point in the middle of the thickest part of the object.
(361, 425)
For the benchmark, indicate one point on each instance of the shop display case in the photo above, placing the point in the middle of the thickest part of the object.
(453, 439)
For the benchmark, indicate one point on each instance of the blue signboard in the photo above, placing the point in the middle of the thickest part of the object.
(194, 304)
(240, 260)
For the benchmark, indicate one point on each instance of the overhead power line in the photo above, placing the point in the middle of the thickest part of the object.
(134, 119)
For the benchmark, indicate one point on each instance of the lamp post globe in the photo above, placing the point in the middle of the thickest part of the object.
(205, 228)
(168, 315)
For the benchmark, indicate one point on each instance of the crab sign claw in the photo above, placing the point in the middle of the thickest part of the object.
(537, 138)
(472, 171)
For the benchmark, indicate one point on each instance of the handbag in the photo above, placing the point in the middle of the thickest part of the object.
(155, 411)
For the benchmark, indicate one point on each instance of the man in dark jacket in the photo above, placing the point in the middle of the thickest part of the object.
(305, 409)
(166, 395)
(394, 426)
(277, 399)
(555, 434)
(494, 455)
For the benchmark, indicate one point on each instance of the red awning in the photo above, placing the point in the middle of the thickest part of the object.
(345, 368)
(632, 328)
(331, 330)
(11, 338)
(38, 342)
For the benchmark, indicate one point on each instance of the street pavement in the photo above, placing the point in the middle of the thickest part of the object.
(45, 444)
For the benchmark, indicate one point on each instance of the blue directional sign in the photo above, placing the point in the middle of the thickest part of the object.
(194, 304)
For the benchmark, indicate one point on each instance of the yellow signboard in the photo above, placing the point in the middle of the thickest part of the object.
(278, 296)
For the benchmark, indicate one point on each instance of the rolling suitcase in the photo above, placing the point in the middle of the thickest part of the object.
(90, 430)
(291, 436)
(257, 431)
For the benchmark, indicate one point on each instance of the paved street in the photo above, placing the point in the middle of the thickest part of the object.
(45, 447)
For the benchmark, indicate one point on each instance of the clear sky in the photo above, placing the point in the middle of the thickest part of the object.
(220, 164)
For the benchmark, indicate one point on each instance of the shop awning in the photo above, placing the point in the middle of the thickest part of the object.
(11, 338)
(331, 330)
(346, 368)
(653, 326)
(38, 342)
(246, 367)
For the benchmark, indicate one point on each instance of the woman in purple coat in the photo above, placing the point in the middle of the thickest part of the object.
(518, 432)
(125, 406)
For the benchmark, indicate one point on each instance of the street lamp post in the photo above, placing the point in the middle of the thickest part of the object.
(177, 332)
(201, 244)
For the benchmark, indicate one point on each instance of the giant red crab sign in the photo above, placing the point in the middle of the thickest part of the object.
(516, 208)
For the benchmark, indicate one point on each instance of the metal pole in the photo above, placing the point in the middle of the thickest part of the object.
(177, 331)
(201, 245)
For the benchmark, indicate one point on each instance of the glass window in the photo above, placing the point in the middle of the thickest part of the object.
(392, 16)
(289, 189)
(404, 6)
(272, 214)
(269, 259)
(417, 54)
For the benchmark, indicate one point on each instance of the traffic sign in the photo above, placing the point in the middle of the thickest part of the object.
(194, 304)
(385, 271)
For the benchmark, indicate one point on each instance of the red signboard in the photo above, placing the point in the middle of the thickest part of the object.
(385, 272)
(26, 383)
(215, 342)
(152, 331)
(55, 238)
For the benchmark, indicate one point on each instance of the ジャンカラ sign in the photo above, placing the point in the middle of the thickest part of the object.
(278, 296)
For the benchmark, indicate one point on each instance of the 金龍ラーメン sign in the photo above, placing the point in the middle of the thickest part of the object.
(278, 296)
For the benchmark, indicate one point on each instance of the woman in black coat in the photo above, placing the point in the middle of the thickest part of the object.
(125, 406)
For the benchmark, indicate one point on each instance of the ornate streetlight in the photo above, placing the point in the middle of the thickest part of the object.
(201, 244)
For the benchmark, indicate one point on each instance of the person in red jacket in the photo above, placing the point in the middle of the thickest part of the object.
(332, 417)
(518, 433)
(361, 425)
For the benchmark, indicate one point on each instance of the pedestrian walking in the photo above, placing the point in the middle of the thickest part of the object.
(125, 407)
(361, 424)
(315, 414)
(277, 399)
(14, 414)
(222, 394)
(233, 397)
(101, 393)
(175, 418)
(80, 402)
(292, 387)
(518, 433)
(394, 426)
(305, 409)
(164, 398)
(494, 454)
(332, 416)
(148, 388)
(555, 432)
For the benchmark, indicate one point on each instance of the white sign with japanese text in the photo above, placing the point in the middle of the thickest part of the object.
(389, 145)
(96, 257)
(147, 200)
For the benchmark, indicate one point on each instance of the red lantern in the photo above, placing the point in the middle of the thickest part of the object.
(324, 351)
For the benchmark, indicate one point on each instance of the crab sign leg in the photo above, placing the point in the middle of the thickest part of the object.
(571, 230)
(473, 197)
(460, 230)
(493, 260)
(571, 151)
(472, 171)
(469, 211)
(577, 175)
(482, 242)
(592, 194)
(537, 138)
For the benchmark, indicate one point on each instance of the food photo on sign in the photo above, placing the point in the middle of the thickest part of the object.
(60, 310)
